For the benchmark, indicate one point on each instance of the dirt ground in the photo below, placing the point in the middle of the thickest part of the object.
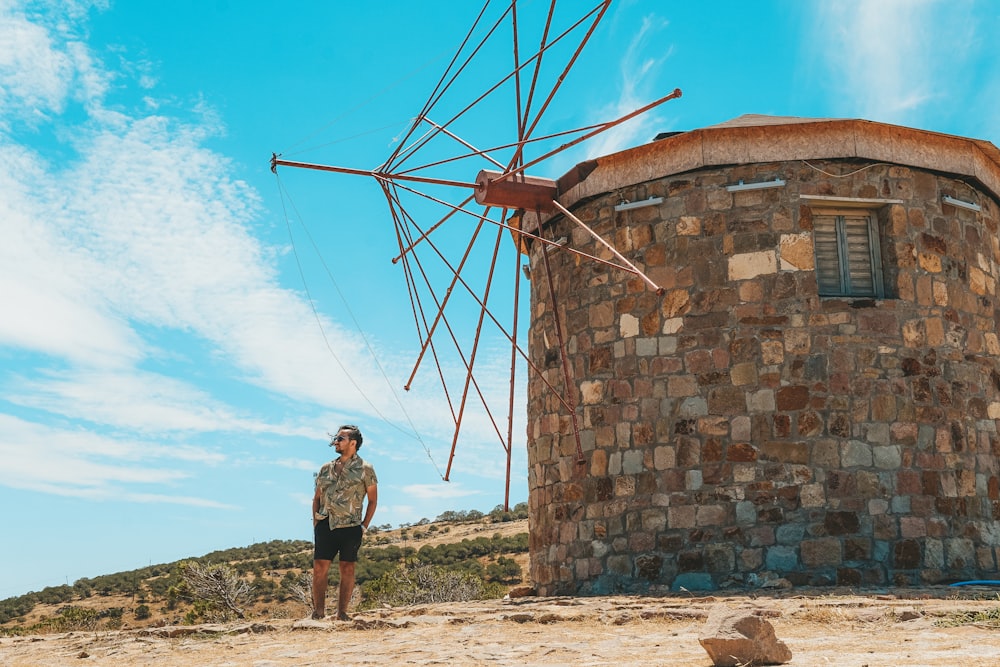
(883, 629)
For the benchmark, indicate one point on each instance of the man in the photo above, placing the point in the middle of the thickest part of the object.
(341, 488)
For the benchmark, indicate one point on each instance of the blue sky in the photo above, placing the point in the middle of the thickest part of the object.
(171, 358)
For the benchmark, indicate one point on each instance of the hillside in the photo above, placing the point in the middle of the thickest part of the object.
(929, 628)
(932, 626)
(154, 596)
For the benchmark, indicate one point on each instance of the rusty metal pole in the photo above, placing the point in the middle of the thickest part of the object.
(632, 267)
(275, 163)
(569, 389)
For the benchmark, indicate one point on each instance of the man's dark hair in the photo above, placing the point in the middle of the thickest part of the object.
(353, 432)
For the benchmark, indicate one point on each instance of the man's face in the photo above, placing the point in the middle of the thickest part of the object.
(343, 444)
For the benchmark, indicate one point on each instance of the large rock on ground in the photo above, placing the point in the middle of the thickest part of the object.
(738, 639)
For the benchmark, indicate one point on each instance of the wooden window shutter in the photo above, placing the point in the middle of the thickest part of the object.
(848, 257)
(827, 255)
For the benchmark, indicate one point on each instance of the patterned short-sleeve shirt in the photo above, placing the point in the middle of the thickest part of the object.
(342, 494)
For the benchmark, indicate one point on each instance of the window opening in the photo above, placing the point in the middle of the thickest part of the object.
(848, 254)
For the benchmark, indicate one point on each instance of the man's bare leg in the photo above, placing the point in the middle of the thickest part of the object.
(346, 590)
(320, 570)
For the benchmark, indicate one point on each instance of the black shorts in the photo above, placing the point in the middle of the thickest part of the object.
(345, 541)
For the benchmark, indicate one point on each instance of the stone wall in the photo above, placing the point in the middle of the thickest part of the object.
(739, 428)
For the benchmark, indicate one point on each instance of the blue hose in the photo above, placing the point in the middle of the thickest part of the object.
(977, 582)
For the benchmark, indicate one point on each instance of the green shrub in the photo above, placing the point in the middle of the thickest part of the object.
(505, 570)
(424, 584)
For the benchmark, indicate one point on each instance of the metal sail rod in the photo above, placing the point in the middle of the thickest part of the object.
(469, 378)
(600, 9)
(514, 144)
(440, 314)
(602, 128)
(541, 239)
(455, 209)
(569, 388)
(513, 372)
(475, 151)
(275, 162)
(442, 87)
(635, 270)
(458, 349)
(411, 284)
(522, 120)
(496, 322)
(493, 88)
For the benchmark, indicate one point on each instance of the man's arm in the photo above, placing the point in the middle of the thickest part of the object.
(315, 506)
(372, 504)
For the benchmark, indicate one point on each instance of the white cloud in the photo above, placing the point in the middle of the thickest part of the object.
(132, 399)
(636, 76)
(35, 74)
(190, 501)
(147, 227)
(297, 464)
(130, 264)
(42, 63)
(87, 465)
(438, 491)
(54, 312)
(892, 58)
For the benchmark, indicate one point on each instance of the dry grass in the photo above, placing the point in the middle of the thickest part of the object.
(983, 618)
(887, 629)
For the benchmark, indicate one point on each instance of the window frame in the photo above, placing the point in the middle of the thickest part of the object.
(877, 211)
(854, 250)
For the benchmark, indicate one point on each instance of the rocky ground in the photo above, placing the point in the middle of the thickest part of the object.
(929, 627)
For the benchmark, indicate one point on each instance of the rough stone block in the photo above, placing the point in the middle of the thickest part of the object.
(628, 325)
(682, 516)
(740, 428)
(744, 473)
(720, 558)
(693, 581)
(734, 639)
(906, 555)
(726, 400)
(632, 462)
(624, 486)
(841, 523)
(855, 453)
(790, 533)
(620, 564)
(797, 253)
(795, 397)
(822, 552)
(693, 406)
(797, 341)
(887, 458)
(785, 452)
(781, 558)
(960, 553)
(592, 392)
(664, 457)
(746, 513)
(760, 401)
(682, 385)
(812, 495)
(741, 452)
(749, 265)
(711, 515)
(744, 374)
(912, 527)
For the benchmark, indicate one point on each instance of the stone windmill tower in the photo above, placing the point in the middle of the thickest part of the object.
(815, 396)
